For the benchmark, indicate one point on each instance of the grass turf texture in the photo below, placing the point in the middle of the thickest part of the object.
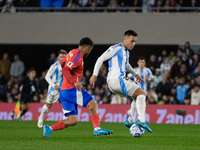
(26, 135)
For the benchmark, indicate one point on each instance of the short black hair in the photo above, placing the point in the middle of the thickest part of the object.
(130, 32)
(86, 41)
(141, 58)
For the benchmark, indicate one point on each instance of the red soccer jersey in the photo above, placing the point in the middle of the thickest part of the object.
(74, 62)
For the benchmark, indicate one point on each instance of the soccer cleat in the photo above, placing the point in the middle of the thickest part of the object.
(40, 123)
(102, 132)
(128, 124)
(46, 131)
(143, 125)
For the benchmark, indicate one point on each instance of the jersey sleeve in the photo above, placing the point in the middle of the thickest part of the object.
(50, 72)
(131, 70)
(105, 56)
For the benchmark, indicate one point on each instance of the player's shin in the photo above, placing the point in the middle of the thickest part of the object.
(44, 111)
(58, 126)
(95, 121)
(141, 107)
(132, 112)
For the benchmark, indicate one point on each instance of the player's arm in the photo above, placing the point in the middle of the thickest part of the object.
(150, 77)
(67, 73)
(50, 72)
(132, 71)
(105, 56)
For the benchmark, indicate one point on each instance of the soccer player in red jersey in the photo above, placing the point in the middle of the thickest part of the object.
(73, 94)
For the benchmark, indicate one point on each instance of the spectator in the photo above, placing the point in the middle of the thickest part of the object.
(179, 52)
(181, 91)
(13, 95)
(175, 69)
(194, 62)
(172, 57)
(195, 95)
(162, 56)
(52, 59)
(8, 8)
(165, 66)
(187, 101)
(187, 49)
(172, 100)
(185, 60)
(5, 66)
(152, 63)
(157, 78)
(17, 68)
(164, 87)
(183, 72)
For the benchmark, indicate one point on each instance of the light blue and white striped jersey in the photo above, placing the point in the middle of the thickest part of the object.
(54, 76)
(118, 62)
(143, 73)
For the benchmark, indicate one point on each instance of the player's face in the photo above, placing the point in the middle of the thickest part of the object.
(141, 63)
(88, 50)
(129, 42)
(61, 56)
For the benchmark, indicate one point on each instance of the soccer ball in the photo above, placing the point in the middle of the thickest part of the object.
(136, 131)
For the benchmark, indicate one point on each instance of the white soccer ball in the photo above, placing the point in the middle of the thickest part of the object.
(136, 131)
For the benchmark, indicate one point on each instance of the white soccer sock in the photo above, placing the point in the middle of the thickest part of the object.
(44, 111)
(141, 107)
(132, 112)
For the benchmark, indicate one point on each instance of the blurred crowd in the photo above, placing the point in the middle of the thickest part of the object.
(176, 79)
(112, 5)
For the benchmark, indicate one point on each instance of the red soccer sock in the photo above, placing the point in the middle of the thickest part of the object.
(95, 121)
(58, 126)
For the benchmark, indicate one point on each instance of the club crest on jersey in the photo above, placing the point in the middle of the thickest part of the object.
(69, 64)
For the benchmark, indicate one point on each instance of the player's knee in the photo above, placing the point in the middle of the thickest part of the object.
(48, 105)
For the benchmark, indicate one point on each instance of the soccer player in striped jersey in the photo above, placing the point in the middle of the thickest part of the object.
(147, 77)
(73, 94)
(54, 77)
(118, 56)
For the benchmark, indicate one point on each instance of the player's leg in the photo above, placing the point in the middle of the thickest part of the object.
(44, 110)
(52, 97)
(60, 125)
(132, 115)
(24, 110)
(140, 96)
(94, 116)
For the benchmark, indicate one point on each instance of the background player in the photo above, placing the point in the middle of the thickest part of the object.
(118, 56)
(72, 92)
(147, 77)
(54, 77)
(27, 91)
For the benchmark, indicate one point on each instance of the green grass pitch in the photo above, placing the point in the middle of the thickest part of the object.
(24, 135)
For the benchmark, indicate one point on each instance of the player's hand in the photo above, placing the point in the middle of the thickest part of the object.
(78, 85)
(92, 80)
(56, 87)
(139, 79)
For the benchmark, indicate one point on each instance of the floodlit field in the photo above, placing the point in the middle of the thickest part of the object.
(25, 135)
